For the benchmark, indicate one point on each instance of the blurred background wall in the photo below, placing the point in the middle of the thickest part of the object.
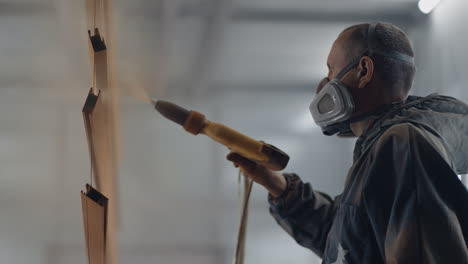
(251, 64)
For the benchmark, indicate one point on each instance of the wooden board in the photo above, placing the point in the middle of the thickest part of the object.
(95, 206)
(100, 118)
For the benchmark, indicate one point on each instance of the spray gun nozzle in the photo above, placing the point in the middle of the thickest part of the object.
(171, 111)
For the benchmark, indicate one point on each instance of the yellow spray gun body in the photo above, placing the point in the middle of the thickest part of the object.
(196, 123)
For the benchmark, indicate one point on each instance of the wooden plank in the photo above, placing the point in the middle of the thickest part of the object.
(100, 118)
(95, 216)
(101, 121)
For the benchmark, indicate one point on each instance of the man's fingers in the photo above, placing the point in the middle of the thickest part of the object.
(234, 157)
(241, 161)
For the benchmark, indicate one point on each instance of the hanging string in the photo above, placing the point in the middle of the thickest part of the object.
(242, 232)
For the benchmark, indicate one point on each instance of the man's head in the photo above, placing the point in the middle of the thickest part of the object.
(376, 80)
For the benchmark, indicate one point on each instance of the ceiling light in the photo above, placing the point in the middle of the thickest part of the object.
(426, 6)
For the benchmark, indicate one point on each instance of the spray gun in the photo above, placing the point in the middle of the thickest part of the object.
(196, 123)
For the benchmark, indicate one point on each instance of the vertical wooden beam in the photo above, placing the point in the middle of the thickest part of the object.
(101, 118)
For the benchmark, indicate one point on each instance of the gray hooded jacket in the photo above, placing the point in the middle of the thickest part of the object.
(402, 201)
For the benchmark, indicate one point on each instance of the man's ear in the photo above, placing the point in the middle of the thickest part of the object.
(365, 71)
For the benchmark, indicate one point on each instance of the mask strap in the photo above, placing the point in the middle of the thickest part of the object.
(396, 55)
(348, 68)
(372, 47)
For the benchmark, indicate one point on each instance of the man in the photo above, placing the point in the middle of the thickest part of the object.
(402, 201)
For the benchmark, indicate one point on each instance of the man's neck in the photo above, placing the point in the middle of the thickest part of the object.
(360, 127)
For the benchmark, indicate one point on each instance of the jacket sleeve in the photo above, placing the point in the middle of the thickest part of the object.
(414, 200)
(305, 214)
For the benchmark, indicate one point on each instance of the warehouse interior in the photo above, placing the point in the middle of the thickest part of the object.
(250, 64)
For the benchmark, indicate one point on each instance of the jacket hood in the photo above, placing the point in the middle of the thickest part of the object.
(444, 116)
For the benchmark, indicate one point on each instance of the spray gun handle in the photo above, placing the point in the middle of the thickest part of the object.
(277, 159)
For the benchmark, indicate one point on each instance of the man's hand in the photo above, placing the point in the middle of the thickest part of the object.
(273, 181)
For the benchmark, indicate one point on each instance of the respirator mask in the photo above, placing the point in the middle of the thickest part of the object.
(333, 106)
